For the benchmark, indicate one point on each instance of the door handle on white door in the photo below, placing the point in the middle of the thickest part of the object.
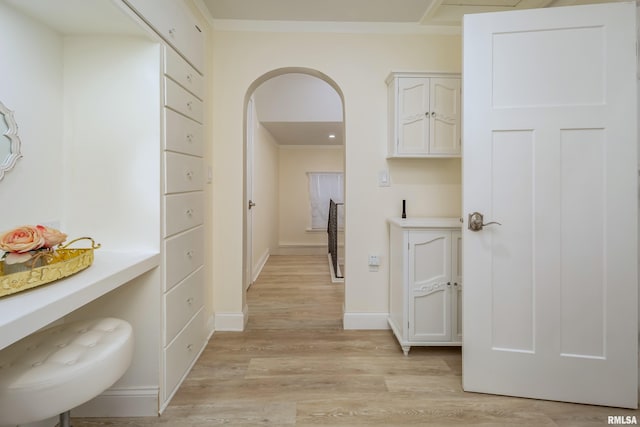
(251, 204)
(476, 222)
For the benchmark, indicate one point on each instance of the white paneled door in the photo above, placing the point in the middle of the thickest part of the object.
(550, 152)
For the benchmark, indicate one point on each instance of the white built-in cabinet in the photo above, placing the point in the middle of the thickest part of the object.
(133, 142)
(183, 201)
(184, 332)
(424, 115)
(171, 20)
(425, 281)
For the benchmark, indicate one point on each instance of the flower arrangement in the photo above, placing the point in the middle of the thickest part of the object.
(24, 243)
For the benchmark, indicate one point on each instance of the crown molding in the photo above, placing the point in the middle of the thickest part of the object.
(332, 27)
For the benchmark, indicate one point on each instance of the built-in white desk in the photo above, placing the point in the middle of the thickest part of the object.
(23, 313)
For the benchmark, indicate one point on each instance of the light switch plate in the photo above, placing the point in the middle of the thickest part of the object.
(383, 179)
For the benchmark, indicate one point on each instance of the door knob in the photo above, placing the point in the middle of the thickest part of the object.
(476, 221)
(251, 204)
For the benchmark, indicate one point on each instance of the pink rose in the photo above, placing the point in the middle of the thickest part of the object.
(51, 236)
(22, 239)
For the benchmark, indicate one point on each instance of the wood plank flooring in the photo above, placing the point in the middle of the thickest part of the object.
(295, 366)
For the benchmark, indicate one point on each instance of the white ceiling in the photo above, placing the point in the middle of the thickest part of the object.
(299, 109)
(408, 12)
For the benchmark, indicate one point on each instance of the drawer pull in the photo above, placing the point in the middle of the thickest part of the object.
(172, 32)
(190, 254)
(189, 175)
(189, 347)
(189, 212)
(189, 137)
(190, 300)
(189, 78)
(189, 105)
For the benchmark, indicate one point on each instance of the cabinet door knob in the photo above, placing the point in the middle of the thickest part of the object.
(189, 212)
(172, 32)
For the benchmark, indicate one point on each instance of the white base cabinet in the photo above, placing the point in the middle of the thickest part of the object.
(425, 281)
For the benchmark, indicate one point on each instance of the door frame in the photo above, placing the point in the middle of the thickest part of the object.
(247, 152)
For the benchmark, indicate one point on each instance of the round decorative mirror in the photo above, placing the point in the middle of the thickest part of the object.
(9, 140)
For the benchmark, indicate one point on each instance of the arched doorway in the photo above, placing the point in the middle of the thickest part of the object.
(256, 204)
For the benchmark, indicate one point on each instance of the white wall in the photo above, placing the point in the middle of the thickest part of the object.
(31, 86)
(358, 64)
(111, 140)
(86, 162)
(295, 212)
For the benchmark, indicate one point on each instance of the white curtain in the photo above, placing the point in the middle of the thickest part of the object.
(322, 187)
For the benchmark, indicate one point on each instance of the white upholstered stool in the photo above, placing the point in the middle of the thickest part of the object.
(55, 370)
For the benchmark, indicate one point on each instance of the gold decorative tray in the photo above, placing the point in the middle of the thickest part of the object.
(46, 268)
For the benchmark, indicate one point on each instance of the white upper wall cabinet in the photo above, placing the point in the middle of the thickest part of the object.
(424, 115)
(176, 25)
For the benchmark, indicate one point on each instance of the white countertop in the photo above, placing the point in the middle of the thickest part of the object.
(434, 222)
(25, 312)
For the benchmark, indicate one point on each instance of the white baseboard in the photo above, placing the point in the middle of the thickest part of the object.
(211, 326)
(301, 250)
(365, 321)
(121, 402)
(260, 266)
(234, 322)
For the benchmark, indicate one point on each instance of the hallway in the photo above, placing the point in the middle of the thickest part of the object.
(294, 365)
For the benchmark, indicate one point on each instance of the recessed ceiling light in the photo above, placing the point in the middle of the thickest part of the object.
(332, 136)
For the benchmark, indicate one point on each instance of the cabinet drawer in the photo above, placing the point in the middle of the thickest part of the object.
(183, 254)
(182, 134)
(182, 101)
(182, 211)
(182, 173)
(176, 25)
(184, 74)
(182, 303)
(183, 350)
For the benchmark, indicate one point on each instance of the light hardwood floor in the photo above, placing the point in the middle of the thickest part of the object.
(294, 365)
